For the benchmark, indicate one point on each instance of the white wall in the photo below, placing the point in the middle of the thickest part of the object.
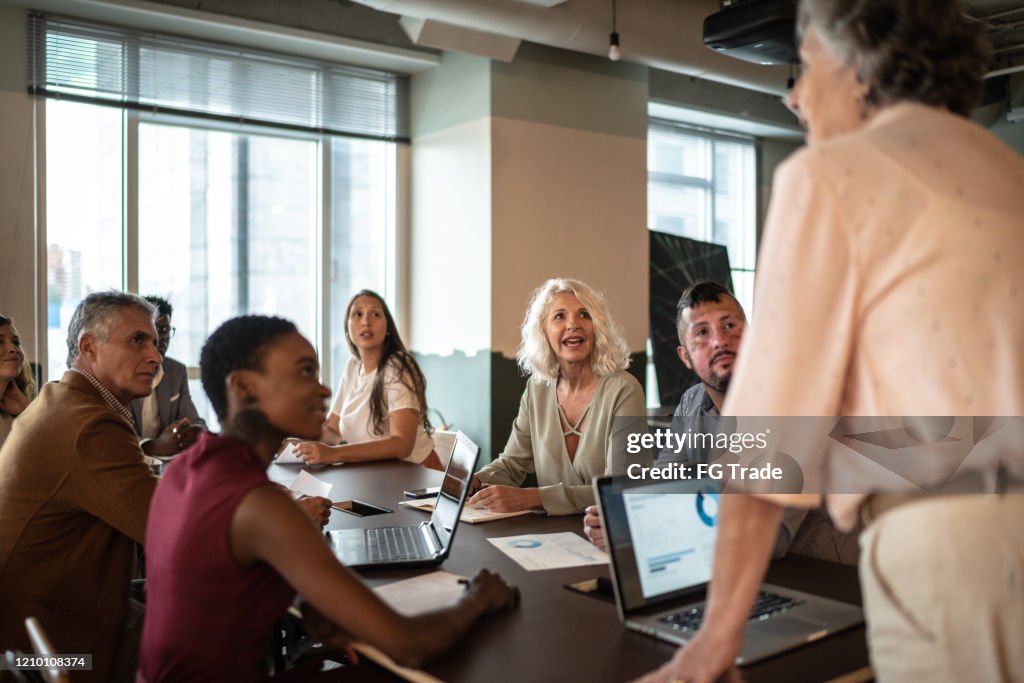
(572, 203)
(17, 181)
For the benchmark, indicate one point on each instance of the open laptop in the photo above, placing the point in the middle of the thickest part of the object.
(424, 545)
(661, 539)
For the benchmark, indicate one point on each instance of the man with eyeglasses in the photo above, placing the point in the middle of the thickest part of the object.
(166, 420)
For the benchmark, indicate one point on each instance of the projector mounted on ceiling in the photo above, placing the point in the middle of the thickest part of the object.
(759, 31)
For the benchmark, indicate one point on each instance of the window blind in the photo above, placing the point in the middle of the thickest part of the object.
(87, 61)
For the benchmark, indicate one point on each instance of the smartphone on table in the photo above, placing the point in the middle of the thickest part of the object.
(430, 492)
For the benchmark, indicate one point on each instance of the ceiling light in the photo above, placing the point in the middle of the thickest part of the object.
(614, 53)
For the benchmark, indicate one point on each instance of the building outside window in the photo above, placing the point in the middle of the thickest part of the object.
(222, 219)
(702, 184)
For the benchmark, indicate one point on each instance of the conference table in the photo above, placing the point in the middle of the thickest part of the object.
(557, 634)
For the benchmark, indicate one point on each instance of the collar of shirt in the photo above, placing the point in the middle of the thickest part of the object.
(707, 406)
(696, 402)
(108, 397)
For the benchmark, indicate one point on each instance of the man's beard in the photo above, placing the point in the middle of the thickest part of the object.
(719, 383)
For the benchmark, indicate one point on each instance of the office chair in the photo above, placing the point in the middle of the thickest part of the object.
(21, 675)
(42, 646)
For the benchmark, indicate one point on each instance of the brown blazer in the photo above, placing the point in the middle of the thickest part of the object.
(74, 496)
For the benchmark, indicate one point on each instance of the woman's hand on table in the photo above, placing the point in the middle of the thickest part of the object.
(315, 453)
(492, 591)
(593, 528)
(497, 498)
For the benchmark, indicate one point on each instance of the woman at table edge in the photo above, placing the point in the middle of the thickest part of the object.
(566, 431)
(261, 376)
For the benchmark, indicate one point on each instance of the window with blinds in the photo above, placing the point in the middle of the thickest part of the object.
(153, 185)
(90, 62)
(702, 184)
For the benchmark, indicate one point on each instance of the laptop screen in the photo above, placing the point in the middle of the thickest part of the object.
(454, 486)
(661, 537)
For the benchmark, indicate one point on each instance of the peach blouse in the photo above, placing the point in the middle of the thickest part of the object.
(890, 281)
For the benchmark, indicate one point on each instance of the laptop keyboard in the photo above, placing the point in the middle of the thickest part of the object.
(395, 543)
(688, 620)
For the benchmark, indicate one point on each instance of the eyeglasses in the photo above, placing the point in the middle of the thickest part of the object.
(165, 330)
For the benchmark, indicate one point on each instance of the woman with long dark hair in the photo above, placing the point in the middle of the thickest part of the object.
(380, 410)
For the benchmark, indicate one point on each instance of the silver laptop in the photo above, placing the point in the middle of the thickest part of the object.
(661, 539)
(423, 545)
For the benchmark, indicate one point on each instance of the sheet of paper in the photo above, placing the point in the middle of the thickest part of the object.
(381, 659)
(534, 552)
(410, 597)
(288, 456)
(469, 515)
(308, 485)
(422, 593)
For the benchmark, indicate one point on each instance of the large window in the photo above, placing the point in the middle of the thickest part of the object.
(84, 214)
(221, 218)
(703, 185)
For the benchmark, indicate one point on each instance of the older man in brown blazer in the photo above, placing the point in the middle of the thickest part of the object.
(75, 492)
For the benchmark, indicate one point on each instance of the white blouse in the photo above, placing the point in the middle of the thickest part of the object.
(352, 406)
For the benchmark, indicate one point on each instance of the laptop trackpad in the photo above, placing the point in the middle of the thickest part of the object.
(790, 628)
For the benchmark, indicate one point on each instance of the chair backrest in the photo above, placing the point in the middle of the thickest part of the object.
(444, 444)
(41, 644)
(20, 675)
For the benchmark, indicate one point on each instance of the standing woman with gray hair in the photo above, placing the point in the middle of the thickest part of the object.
(576, 358)
(891, 277)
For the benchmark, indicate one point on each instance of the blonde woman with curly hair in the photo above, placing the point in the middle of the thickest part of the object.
(576, 358)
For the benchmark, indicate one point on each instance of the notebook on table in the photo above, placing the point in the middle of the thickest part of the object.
(423, 545)
(661, 539)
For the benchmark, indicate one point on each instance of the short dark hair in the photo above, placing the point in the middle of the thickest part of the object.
(94, 316)
(239, 344)
(701, 292)
(924, 51)
(163, 306)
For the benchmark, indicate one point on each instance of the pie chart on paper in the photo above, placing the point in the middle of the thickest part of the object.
(707, 507)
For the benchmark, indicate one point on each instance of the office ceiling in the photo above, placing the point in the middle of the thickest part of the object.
(1006, 30)
(662, 33)
(665, 34)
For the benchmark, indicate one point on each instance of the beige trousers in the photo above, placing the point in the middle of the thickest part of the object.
(943, 585)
